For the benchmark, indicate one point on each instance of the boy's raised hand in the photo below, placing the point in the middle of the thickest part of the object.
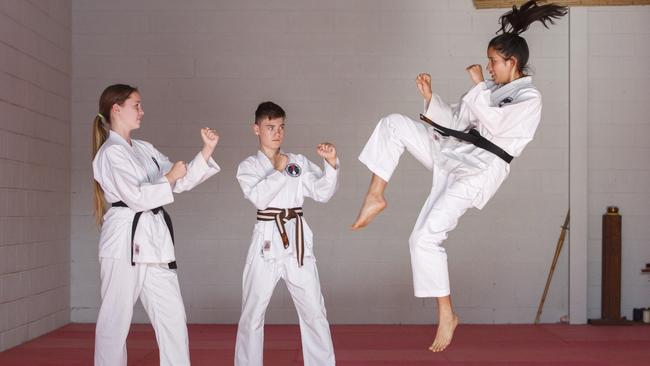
(327, 151)
(280, 162)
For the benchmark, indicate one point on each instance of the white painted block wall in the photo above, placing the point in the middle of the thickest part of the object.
(336, 67)
(619, 152)
(35, 54)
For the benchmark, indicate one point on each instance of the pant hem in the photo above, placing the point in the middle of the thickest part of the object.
(376, 170)
(432, 293)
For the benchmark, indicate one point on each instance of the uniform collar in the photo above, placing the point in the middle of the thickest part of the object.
(117, 139)
(266, 162)
(507, 89)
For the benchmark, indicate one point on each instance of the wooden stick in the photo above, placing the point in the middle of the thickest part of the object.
(558, 250)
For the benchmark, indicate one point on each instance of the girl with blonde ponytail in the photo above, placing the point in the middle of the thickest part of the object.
(468, 146)
(99, 136)
(136, 245)
(114, 94)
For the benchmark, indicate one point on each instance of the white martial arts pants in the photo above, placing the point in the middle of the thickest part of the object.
(157, 287)
(447, 201)
(260, 278)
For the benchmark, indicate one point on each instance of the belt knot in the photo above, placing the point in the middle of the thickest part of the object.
(281, 216)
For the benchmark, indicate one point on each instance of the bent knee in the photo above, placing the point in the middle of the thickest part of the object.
(392, 118)
(426, 240)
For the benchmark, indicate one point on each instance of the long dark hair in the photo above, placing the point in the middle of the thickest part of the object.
(509, 43)
(114, 94)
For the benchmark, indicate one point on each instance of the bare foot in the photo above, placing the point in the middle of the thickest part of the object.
(446, 326)
(372, 206)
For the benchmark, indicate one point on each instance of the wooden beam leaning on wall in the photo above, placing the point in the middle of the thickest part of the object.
(491, 4)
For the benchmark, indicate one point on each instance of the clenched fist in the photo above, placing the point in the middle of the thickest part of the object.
(210, 139)
(280, 162)
(328, 152)
(475, 73)
(423, 82)
(178, 171)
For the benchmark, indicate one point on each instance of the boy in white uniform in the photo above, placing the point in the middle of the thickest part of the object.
(282, 243)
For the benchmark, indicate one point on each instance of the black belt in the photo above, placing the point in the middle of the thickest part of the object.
(473, 137)
(136, 218)
(282, 216)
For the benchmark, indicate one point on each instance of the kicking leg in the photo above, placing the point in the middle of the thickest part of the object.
(381, 154)
(373, 204)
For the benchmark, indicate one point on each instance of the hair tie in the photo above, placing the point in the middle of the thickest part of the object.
(101, 117)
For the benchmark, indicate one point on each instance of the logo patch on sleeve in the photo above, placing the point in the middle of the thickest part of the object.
(293, 170)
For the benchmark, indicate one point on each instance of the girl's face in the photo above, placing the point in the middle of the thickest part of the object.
(130, 113)
(503, 70)
(270, 132)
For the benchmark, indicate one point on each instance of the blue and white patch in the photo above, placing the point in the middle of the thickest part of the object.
(293, 170)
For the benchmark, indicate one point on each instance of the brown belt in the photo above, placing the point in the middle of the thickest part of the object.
(281, 216)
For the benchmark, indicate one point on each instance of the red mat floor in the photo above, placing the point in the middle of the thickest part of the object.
(364, 345)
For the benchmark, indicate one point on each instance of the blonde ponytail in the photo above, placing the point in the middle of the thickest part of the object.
(114, 94)
(100, 134)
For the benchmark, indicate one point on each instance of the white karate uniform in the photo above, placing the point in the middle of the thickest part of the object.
(464, 175)
(268, 260)
(135, 175)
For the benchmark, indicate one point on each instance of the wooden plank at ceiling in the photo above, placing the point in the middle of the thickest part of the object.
(487, 4)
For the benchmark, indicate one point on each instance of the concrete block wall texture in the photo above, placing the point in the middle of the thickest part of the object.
(336, 67)
(35, 81)
(619, 169)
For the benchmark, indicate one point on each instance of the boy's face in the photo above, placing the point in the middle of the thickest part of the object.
(270, 132)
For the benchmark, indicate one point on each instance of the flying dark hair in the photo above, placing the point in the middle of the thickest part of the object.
(509, 43)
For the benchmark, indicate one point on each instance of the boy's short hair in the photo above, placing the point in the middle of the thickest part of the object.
(268, 110)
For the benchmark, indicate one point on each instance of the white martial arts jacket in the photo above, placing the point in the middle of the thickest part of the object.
(507, 115)
(265, 187)
(135, 175)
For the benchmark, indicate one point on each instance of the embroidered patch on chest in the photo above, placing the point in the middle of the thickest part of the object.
(293, 170)
(508, 100)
